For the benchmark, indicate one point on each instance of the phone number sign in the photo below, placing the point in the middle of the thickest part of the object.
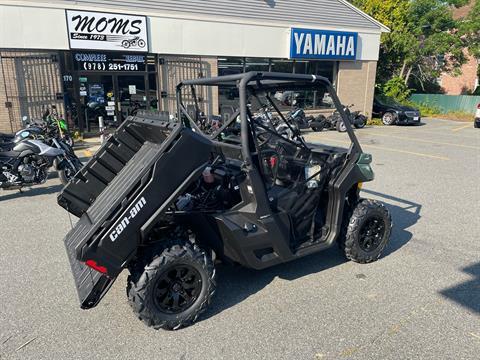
(105, 62)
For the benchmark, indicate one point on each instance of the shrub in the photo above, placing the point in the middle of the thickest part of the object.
(375, 121)
(397, 89)
(425, 110)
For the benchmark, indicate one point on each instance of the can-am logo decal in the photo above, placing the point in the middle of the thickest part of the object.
(125, 221)
(323, 44)
(105, 31)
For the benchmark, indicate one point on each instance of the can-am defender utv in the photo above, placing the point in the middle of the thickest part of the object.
(164, 200)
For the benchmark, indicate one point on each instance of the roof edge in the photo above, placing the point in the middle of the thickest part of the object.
(384, 29)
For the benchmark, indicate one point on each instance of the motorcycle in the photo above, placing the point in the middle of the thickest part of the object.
(56, 127)
(335, 122)
(136, 41)
(26, 164)
(25, 160)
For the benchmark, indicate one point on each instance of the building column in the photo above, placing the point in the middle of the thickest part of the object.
(356, 84)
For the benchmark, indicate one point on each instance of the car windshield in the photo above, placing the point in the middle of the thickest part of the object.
(385, 100)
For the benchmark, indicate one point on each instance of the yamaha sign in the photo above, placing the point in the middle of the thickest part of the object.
(106, 31)
(323, 44)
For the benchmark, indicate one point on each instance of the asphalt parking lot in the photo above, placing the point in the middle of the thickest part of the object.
(420, 300)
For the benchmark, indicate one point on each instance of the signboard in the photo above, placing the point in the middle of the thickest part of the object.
(323, 44)
(106, 31)
(108, 62)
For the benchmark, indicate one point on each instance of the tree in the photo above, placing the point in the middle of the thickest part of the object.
(469, 30)
(422, 32)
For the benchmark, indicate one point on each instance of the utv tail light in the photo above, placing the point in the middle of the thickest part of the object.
(93, 264)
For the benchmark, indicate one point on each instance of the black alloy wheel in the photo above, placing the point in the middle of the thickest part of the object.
(366, 231)
(177, 288)
(371, 234)
(171, 285)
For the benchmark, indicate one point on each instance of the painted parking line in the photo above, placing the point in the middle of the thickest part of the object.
(425, 141)
(87, 153)
(462, 127)
(435, 131)
(430, 156)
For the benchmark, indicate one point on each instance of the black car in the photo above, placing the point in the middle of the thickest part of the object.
(393, 113)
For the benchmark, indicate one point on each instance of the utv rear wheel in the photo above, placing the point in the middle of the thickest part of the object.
(368, 232)
(174, 288)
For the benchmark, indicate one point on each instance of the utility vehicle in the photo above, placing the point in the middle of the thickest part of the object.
(166, 202)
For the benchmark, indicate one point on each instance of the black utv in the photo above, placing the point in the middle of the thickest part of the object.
(166, 201)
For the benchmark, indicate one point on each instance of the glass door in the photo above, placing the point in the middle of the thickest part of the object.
(132, 95)
(97, 97)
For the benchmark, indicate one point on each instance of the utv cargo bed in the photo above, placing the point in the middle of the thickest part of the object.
(120, 191)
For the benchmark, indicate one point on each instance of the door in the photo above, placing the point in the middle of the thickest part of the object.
(97, 97)
(132, 95)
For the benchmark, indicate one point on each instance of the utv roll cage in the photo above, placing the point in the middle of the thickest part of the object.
(251, 83)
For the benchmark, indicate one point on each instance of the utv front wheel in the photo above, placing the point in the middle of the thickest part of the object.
(368, 232)
(174, 288)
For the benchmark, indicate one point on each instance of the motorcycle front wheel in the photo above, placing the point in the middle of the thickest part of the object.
(68, 140)
(68, 172)
(360, 122)
(341, 126)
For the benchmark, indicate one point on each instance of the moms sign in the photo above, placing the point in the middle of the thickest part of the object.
(106, 31)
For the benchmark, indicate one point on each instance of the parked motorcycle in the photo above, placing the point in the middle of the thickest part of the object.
(25, 160)
(26, 164)
(335, 122)
(56, 127)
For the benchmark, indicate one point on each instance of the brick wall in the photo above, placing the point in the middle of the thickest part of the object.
(29, 82)
(356, 84)
(7, 75)
(458, 85)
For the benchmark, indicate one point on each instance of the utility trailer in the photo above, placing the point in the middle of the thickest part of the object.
(164, 200)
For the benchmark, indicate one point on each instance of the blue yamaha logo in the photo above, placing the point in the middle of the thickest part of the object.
(323, 44)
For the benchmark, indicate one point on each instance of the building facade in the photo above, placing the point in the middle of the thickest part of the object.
(109, 58)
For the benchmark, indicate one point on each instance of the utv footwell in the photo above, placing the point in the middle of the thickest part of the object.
(123, 188)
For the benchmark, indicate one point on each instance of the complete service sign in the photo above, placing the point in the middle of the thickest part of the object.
(323, 44)
(105, 31)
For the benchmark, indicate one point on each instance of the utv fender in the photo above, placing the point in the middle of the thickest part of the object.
(355, 172)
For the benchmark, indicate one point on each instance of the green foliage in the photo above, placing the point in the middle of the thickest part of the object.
(422, 32)
(425, 110)
(397, 89)
(469, 30)
(375, 121)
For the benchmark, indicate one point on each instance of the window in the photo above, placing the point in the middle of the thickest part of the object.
(307, 99)
(285, 66)
(257, 64)
(230, 66)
